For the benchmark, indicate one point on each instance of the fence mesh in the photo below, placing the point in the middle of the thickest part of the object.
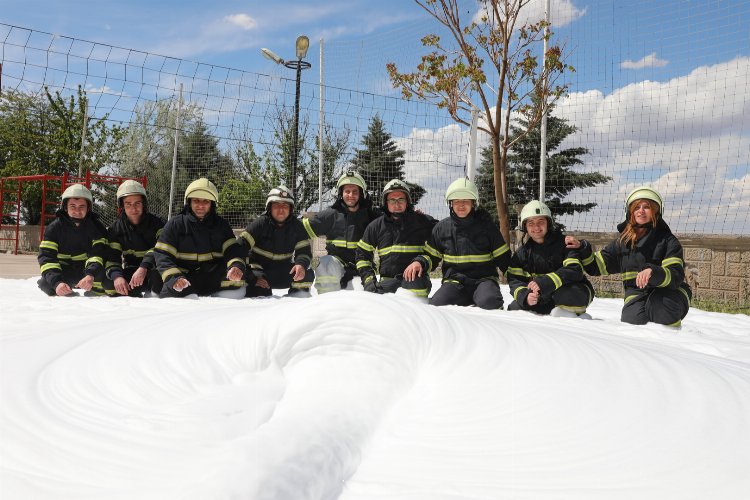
(660, 96)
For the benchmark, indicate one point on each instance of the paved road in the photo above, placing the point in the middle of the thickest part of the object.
(18, 266)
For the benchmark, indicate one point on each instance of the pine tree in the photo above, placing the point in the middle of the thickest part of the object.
(381, 161)
(523, 171)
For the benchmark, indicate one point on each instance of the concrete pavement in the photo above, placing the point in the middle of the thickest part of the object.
(18, 266)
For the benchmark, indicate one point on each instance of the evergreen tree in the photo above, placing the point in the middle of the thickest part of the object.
(380, 161)
(523, 171)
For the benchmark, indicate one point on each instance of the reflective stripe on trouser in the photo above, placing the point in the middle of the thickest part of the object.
(152, 283)
(205, 282)
(573, 297)
(420, 287)
(72, 275)
(329, 274)
(660, 305)
(279, 278)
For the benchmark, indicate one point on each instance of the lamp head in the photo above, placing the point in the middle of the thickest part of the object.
(269, 54)
(302, 44)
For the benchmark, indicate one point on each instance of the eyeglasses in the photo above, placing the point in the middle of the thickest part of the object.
(396, 201)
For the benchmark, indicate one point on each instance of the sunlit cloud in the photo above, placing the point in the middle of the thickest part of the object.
(562, 13)
(649, 61)
(242, 20)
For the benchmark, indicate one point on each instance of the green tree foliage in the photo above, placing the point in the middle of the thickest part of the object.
(149, 148)
(242, 198)
(305, 186)
(381, 161)
(454, 75)
(523, 170)
(41, 133)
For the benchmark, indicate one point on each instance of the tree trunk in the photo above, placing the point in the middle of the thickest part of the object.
(499, 162)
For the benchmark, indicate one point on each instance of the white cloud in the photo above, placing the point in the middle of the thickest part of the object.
(649, 61)
(684, 136)
(242, 20)
(562, 13)
(104, 89)
(687, 137)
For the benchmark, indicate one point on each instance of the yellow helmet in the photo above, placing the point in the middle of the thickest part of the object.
(203, 189)
(462, 189)
(643, 193)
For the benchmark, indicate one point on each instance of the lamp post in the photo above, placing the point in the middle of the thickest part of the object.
(302, 44)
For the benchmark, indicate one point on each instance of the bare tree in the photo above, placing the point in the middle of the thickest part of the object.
(456, 77)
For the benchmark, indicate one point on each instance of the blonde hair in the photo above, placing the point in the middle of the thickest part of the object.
(631, 233)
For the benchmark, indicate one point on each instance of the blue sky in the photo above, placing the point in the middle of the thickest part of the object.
(660, 92)
(230, 33)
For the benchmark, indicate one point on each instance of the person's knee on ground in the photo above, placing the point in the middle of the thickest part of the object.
(487, 295)
(420, 287)
(450, 294)
(302, 288)
(634, 312)
(667, 307)
(575, 298)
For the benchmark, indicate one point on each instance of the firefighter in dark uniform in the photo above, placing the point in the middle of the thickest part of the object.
(546, 274)
(472, 249)
(398, 236)
(343, 225)
(131, 267)
(278, 249)
(649, 259)
(74, 247)
(197, 252)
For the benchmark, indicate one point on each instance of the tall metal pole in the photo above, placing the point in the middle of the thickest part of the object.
(320, 131)
(174, 153)
(543, 126)
(295, 137)
(471, 167)
(84, 129)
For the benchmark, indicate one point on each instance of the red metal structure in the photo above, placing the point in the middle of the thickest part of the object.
(52, 188)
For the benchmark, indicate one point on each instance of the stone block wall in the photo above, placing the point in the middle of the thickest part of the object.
(28, 239)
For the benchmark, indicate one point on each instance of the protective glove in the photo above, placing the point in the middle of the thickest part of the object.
(373, 286)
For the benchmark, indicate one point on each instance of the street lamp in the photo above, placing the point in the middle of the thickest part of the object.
(301, 46)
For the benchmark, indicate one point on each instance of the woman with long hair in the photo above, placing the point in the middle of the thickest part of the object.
(649, 258)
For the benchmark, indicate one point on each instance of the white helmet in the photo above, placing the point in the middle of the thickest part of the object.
(129, 188)
(77, 191)
(534, 208)
(279, 194)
